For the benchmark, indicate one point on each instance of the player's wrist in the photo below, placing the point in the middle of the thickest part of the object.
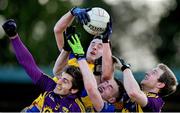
(66, 48)
(13, 37)
(125, 66)
(79, 56)
(72, 11)
(106, 41)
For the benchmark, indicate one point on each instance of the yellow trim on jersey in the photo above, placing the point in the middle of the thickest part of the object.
(87, 103)
(47, 109)
(38, 102)
(73, 62)
(124, 110)
(138, 108)
(80, 105)
(148, 94)
(55, 79)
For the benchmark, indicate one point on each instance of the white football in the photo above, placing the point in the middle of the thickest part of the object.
(98, 21)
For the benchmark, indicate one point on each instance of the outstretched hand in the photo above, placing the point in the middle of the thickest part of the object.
(81, 14)
(121, 63)
(10, 27)
(76, 46)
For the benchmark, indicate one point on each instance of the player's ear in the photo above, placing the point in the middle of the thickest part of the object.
(73, 91)
(160, 85)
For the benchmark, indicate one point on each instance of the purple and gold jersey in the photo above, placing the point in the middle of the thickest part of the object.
(55, 103)
(52, 102)
(155, 104)
(37, 104)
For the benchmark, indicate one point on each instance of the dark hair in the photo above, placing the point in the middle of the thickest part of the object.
(100, 38)
(169, 79)
(121, 89)
(77, 82)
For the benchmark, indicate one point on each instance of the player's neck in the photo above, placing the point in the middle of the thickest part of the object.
(153, 90)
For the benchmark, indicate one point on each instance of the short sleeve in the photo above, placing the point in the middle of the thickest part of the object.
(108, 107)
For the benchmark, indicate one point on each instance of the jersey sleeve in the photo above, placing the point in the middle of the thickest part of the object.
(25, 58)
(46, 83)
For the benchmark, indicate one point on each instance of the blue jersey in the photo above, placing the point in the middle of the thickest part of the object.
(108, 107)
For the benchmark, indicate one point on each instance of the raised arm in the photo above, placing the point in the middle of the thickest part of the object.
(80, 14)
(64, 55)
(60, 34)
(88, 77)
(132, 88)
(24, 57)
(107, 63)
(130, 84)
(60, 63)
(59, 31)
(60, 27)
(91, 85)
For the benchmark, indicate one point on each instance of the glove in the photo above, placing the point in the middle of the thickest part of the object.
(108, 32)
(121, 63)
(10, 27)
(69, 31)
(76, 47)
(81, 14)
(98, 66)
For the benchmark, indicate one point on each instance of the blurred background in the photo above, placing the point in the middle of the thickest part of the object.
(145, 32)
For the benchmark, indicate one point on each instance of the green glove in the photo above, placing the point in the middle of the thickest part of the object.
(76, 47)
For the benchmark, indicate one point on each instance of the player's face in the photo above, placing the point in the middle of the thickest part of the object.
(150, 80)
(95, 50)
(108, 89)
(64, 84)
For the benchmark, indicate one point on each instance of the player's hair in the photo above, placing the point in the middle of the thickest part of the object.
(169, 79)
(98, 37)
(77, 82)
